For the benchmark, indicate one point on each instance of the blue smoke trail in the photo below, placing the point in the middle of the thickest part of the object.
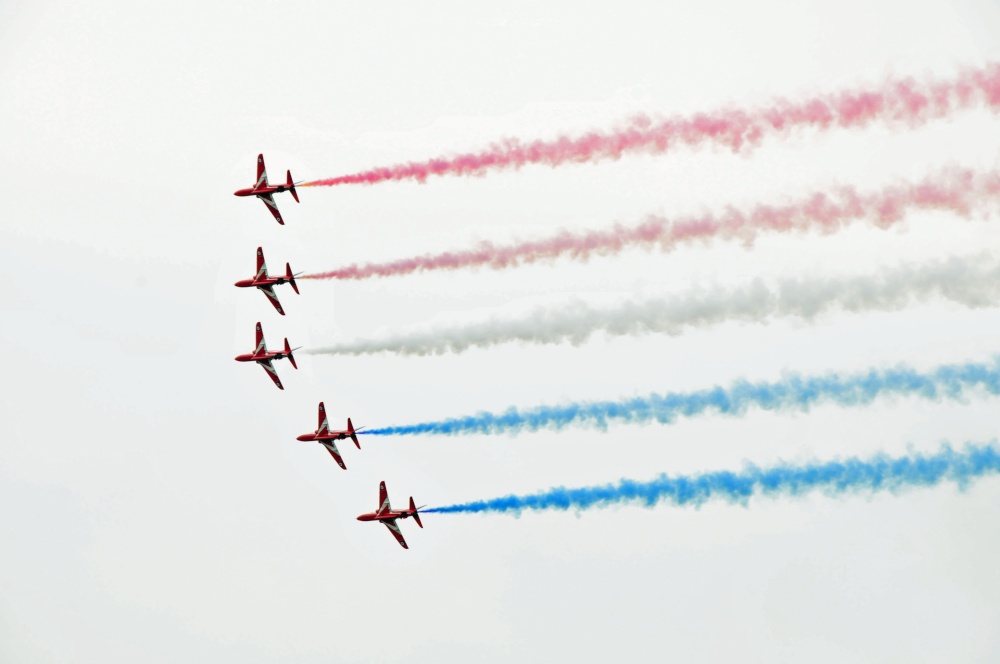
(879, 473)
(945, 382)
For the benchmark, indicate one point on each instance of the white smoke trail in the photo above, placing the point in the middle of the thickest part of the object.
(972, 282)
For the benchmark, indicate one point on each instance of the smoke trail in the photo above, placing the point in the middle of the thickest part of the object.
(952, 381)
(955, 191)
(970, 282)
(905, 101)
(850, 476)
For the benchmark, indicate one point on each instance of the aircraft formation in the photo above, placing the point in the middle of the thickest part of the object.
(323, 435)
(967, 281)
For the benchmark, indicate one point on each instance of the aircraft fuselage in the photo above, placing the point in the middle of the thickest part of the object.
(312, 437)
(385, 516)
(261, 191)
(261, 283)
(252, 357)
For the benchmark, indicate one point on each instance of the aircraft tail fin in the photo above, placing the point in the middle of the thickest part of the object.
(351, 432)
(288, 352)
(291, 278)
(413, 511)
(291, 186)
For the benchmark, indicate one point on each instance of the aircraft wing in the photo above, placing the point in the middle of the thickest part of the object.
(269, 292)
(323, 425)
(383, 499)
(261, 347)
(261, 266)
(261, 172)
(332, 449)
(394, 529)
(271, 206)
(269, 368)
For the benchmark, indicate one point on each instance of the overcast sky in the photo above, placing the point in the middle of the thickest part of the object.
(154, 503)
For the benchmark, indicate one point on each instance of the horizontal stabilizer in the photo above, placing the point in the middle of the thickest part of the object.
(413, 511)
(352, 434)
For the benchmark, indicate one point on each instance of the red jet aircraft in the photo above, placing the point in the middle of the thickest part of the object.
(264, 191)
(386, 515)
(263, 357)
(266, 283)
(327, 438)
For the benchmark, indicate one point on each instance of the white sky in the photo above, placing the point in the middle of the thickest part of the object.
(154, 504)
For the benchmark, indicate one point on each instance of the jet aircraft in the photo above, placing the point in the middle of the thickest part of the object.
(328, 438)
(263, 357)
(386, 515)
(265, 191)
(266, 283)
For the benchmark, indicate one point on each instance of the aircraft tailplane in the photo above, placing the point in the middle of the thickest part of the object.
(352, 434)
(288, 353)
(413, 511)
(291, 277)
(291, 186)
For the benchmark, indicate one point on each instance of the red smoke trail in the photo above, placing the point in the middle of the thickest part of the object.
(903, 101)
(957, 191)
